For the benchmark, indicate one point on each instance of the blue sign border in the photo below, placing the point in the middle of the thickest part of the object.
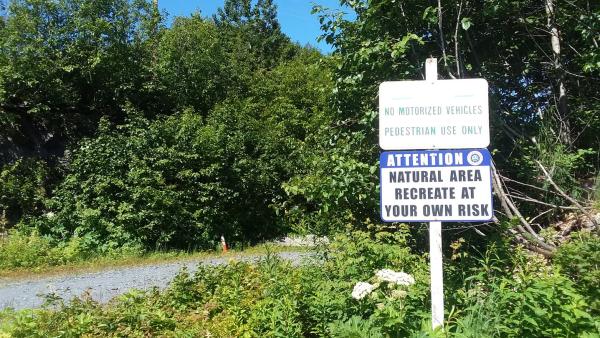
(437, 154)
(486, 161)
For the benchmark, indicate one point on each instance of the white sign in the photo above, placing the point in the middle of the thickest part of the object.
(430, 186)
(441, 114)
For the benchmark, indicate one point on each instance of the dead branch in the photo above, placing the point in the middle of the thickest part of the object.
(526, 198)
(523, 227)
(456, 52)
(566, 196)
(442, 41)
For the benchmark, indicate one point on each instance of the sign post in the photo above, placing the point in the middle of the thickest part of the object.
(437, 274)
(435, 241)
(430, 184)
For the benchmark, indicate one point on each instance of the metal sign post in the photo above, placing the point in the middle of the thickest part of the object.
(435, 241)
(437, 274)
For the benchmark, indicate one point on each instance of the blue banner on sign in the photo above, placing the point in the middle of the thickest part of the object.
(435, 158)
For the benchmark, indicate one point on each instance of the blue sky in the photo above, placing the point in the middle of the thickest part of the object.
(294, 16)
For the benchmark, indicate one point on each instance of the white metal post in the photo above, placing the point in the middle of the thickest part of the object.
(435, 240)
(437, 274)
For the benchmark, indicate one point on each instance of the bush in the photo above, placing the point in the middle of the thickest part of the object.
(23, 249)
(18, 250)
(176, 183)
(516, 293)
(183, 181)
(27, 249)
(155, 185)
(579, 259)
(22, 190)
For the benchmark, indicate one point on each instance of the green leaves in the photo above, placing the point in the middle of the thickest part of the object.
(466, 23)
(24, 188)
(399, 49)
(430, 15)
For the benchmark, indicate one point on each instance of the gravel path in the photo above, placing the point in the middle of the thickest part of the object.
(105, 285)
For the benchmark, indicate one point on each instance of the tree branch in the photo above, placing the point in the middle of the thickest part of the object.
(442, 41)
(569, 198)
(456, 53)
(523, 227)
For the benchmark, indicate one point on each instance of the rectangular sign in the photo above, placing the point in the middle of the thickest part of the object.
(436, 185)
(441, 114)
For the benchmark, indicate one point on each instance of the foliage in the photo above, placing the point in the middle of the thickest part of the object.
(22, 250)
(580, 261)
(385, 41)
(355, 327)
(337, 188)
(182, 181)
(200, 123)
(23, 189)
(503, 298)
(155, 184)
(197, 67)
(508, 292)
(258, 30)
(66, 63)
(530, 304)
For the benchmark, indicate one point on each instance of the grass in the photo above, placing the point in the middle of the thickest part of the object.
(102, 263)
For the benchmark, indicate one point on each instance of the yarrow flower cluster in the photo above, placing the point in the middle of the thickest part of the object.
(361, 289)
(392, 276)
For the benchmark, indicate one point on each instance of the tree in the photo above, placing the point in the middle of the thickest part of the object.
(511, 44)
(183, 180)
(258, 28)
(64, 64)
(195, 66)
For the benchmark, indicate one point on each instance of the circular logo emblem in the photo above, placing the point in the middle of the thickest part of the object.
(474, 157)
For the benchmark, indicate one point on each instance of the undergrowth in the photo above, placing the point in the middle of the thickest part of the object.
(500, 295)
(27, 253)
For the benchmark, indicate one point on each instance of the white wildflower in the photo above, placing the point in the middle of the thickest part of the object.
(361, 289)
(399, 294)
(49, 215)
(391, 276)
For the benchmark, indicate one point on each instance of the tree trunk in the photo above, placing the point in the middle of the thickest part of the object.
(562, 109)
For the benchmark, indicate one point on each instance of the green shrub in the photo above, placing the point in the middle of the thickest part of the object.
(165, 184)
(355, 257)
(182, 181)
(579, 259)
(530, 306)
(27, 249)
(335, 190)
(23, 187)
(520, 295)
(19, 250)
(355, 327)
